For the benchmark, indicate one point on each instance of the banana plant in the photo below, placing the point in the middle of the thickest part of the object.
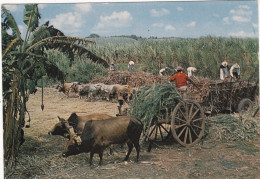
(24, 62)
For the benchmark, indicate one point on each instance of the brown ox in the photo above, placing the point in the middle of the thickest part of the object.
(77, 122)
(122, 92)
(66, 87)
(98, 135)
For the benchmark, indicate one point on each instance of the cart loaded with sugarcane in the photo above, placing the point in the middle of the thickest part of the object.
(164, 113)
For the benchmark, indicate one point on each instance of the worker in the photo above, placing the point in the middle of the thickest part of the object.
(235, 71)
(181, 82)
(131, 66)
(191, 71)
(163, 71)
(223, 70)
(112, 67)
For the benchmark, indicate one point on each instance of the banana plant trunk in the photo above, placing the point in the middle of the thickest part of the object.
(13, 123)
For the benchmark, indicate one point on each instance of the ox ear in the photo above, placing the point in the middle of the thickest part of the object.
(60, 119)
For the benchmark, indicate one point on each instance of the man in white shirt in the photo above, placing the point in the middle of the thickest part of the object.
(131, 66)
(191, 71)
(235, 71)
(223, 69)
(163, 71)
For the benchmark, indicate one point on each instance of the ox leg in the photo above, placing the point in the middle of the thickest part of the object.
(100, 157)
(91, 158)
(130, 148)
(137, 147)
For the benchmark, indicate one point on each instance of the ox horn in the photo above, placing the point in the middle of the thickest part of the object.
(73, 135)
(61, 119)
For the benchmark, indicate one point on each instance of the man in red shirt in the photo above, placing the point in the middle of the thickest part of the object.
(181, 82)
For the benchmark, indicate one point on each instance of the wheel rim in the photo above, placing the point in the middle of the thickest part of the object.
(188, 123)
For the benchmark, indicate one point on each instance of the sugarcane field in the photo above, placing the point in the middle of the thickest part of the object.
(172, 103)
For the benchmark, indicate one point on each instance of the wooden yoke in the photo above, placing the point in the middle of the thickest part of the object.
(72, 133)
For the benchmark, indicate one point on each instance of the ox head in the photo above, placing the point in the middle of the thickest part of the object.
(72, 148)
(60, 128)
(60, 88)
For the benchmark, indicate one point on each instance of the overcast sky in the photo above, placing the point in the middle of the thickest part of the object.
(159, 19)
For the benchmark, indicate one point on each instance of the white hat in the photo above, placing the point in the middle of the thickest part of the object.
(236, 65)
(224, 63)
(178, 68)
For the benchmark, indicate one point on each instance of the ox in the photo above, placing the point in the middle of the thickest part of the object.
(76, 88)
(98, 135)
(90, 90)
(66, 87)
(77, 122)
(122, 92)
(106, 90)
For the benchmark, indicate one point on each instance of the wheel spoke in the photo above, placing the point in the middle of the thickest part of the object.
(176, 127)
(191, 110)
(197, 119)
(182, 113)
(165, 129)
(194, 131)
(152, 131)
(180, 119)
(160, 132)
(156, 133)
(186, 111)
(190, 136)
(182, 131)
(197, 126)
(194, 114)
(186, 133)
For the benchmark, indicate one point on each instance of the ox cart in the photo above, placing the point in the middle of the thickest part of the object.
(186, 122)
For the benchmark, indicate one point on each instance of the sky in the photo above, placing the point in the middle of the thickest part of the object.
(187, 19)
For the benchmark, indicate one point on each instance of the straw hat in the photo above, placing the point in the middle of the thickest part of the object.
(224, 63)
(236, 65)
(178, 68)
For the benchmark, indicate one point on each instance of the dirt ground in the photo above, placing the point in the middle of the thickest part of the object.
(40, 155)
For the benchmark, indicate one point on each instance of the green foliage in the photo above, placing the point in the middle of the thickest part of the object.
(93, 36)
(154, 102)
(25, 62)
(80, 70)
(31, 16)
(84, 71)
(205, 53)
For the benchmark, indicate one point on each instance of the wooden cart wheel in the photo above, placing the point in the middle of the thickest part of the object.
(159, 132)
(245, 105)
(188, 122)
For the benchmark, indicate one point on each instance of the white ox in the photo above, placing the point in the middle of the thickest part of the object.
(90, 90)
